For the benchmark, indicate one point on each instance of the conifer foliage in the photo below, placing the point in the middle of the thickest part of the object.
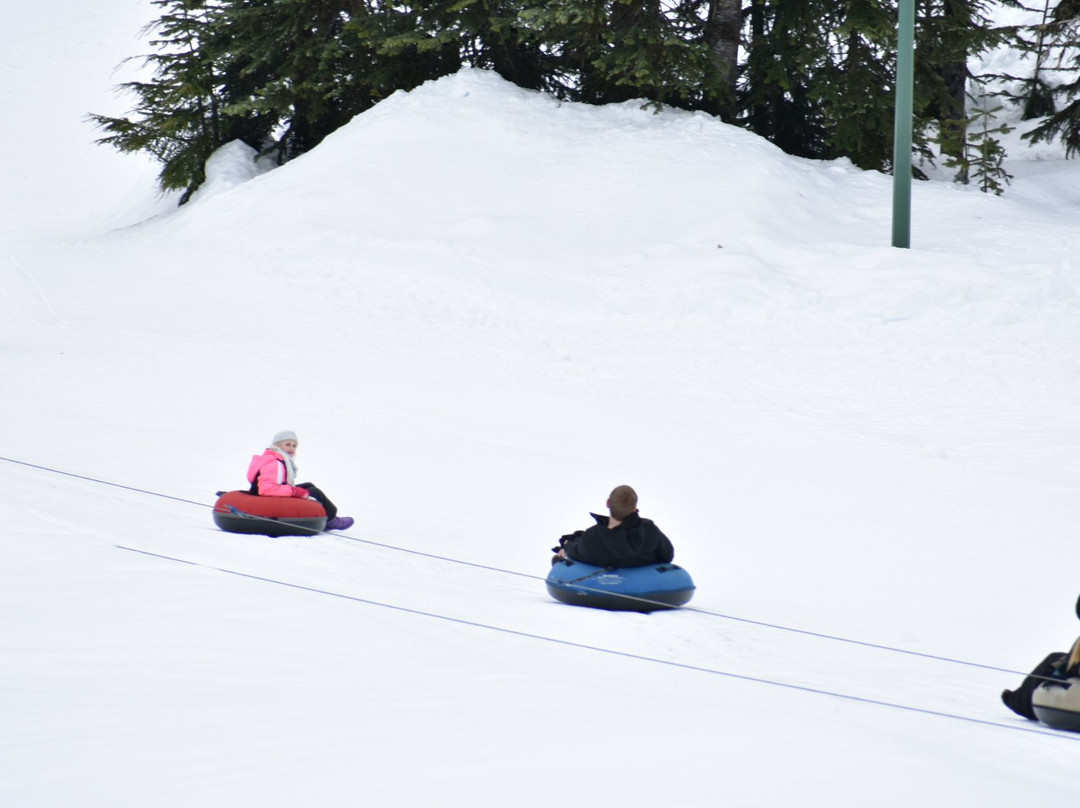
(1062, 34)
(300, 66)
(981, 158)
(816, 77)
(855, 85)
(607, 51)
(180, 119)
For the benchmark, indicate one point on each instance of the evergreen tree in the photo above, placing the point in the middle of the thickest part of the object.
(785, 50)
(948, 34)
(1065, 123)
(425, 40)
(856, 84)
(301, 64)
(659, 52)
(410, 45)
(178, 117)
(1037, 96)
(616, 50)
(983, 156)
(818, 76)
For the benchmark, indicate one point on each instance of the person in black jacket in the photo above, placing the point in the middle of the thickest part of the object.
(1059, 665)
(623, 539)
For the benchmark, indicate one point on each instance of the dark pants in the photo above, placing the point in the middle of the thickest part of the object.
(330, 507)
(1019, 700)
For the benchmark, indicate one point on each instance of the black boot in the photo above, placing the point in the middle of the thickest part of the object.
(1008, 698)
(1019, 700)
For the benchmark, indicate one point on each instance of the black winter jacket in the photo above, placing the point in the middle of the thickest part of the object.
(635, 542)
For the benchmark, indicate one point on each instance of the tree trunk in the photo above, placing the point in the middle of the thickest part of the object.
(722, 36)
(955, 73)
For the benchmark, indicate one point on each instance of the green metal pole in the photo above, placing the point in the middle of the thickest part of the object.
(905, 80)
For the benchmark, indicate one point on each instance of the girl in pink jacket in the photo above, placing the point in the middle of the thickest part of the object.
(273, 474)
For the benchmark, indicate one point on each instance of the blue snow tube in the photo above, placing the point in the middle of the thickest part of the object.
(622, 589)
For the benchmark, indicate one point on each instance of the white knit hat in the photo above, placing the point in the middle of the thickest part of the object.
(285, 434)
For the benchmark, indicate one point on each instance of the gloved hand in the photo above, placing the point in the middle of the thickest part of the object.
(300, 493)
(563, 540)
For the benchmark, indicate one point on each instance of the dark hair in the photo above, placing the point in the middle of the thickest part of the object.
(622, 502)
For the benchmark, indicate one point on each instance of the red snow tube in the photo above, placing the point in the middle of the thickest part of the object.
(241, 512)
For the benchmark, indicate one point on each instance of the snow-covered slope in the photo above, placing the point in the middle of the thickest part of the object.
(482, 309)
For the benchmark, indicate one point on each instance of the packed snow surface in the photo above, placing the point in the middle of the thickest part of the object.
(481, 309)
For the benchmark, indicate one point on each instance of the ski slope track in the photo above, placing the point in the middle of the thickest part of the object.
(481, 309)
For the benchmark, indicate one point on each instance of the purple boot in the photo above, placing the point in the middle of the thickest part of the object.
(339, 523)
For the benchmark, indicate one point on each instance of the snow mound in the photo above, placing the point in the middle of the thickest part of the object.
(229, 166)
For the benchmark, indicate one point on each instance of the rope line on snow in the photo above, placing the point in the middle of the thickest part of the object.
(489, 568)
(105, 482)
(609, 651)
